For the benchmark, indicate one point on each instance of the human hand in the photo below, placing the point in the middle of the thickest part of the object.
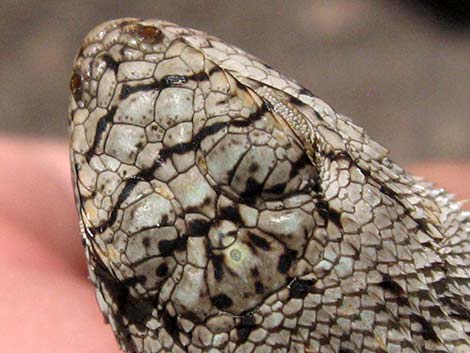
(47, 304)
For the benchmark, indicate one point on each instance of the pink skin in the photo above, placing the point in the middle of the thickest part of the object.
(47, 304)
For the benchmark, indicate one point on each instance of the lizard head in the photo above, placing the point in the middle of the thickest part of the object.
(196, 198)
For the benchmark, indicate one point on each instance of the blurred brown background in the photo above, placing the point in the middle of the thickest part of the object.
(400, 69)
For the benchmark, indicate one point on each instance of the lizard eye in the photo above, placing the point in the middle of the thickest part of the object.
(76, 86)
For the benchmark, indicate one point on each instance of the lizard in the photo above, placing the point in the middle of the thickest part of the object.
(226, 208)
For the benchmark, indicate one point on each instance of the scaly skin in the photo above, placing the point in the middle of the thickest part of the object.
(225, 208)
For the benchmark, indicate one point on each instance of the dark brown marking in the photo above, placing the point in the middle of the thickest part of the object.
(137, 311)
(277, 189)
(458, 309)
(295, 101)
(244, 328)
(299, 288)
(162, 270)
(166, 81)
(207, 201)
(255, 116)
(260, 242)
(389, 192)
(200, 77)
(130, 185)
(198, 228)
(306, 92)
(422, 225)
(174, 80)
(259, 288)
(127, 90)
(168, 247)
(393, 287)
(299, 164)
(146, 242)
(170, 323)
(328, 213)
(427, 330)
(316, 186)
(110, 62)
(230, 213)
(390, 285)
(345, 350)
(286, 260)
(253, 167)
(222, 301)
(214, 69)
(218, 263)
(253, 190)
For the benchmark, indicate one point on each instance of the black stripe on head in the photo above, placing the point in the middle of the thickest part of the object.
(101, 127)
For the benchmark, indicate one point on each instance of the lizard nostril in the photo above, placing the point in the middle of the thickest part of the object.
(149, 34)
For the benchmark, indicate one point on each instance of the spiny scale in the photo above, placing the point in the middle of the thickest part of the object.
(225, 208)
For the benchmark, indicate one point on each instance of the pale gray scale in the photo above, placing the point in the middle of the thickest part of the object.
(174, 66)
(178, 134)
(106, 88)
(137, 109)
(77, 115)
(135, 70)
(107, 182)
(259, 137)
(194, 59)
(197, 252)
(154, 132)
(174, 105)
(219, 82)
(183, 162)
(194, 193)
(125, 141)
